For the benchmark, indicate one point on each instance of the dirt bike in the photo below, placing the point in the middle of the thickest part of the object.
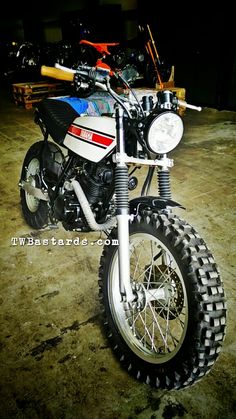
(160, 288)
(137, 58)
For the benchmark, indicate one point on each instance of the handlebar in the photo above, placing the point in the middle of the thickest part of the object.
(84, 75)
(95, 74)
(57, 73)
(187, 105)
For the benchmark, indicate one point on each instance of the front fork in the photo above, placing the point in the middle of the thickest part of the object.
(122, 211)
(122, 202)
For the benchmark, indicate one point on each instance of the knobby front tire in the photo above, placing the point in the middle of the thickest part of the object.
(173, 335)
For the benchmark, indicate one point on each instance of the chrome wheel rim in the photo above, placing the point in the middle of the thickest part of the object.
(155, 326)
(31, 172)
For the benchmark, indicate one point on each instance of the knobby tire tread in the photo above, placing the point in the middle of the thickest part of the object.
(208, 302)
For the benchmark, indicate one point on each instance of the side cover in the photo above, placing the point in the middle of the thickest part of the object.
(91, 137)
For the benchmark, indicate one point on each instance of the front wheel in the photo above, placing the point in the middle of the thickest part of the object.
(172, 334)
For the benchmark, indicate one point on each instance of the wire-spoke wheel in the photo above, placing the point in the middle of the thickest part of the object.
(168, 337)
(156, 325)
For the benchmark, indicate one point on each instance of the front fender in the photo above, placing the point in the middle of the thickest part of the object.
(151, 202)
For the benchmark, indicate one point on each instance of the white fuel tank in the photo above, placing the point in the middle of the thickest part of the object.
(91, 137)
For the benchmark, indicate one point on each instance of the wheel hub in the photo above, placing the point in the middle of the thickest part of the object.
(163, 284)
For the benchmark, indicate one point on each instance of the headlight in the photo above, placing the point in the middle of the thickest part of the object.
(164, 133)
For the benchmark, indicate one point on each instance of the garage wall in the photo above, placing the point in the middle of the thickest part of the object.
(197, 41)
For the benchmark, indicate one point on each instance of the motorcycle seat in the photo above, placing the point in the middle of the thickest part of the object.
(58, 113)
(57, 116)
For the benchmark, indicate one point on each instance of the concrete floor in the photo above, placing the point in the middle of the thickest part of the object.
(55, 361)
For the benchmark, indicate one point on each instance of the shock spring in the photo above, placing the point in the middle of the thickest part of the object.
(121, 190)
(163, 180)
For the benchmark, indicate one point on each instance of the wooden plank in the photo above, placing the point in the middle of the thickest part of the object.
(35, 87)
(29, 93)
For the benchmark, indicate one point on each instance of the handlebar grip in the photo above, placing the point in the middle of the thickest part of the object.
(56, 73)
(187, 105)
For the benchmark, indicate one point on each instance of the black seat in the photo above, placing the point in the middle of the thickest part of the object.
(57, 117)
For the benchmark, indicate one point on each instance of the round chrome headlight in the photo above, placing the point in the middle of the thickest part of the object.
(164, 132)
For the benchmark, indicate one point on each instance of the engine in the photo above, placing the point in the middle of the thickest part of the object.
(96, 181)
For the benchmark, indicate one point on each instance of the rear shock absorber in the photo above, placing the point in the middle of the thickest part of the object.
(163, 180)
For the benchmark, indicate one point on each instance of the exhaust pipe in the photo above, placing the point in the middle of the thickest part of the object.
(88, 212)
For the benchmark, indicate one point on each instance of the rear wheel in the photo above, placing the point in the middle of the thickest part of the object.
(171, 336)
(35, 211)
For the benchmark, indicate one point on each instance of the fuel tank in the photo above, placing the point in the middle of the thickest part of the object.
(91, 137)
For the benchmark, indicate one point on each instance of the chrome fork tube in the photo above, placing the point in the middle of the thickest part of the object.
(123, 256)
(122, 211)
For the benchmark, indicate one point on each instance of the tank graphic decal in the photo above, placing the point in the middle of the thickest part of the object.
(93, 137)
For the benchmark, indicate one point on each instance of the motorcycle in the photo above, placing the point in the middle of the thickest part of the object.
(160, 288)
(22, 61)
(138, 58)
